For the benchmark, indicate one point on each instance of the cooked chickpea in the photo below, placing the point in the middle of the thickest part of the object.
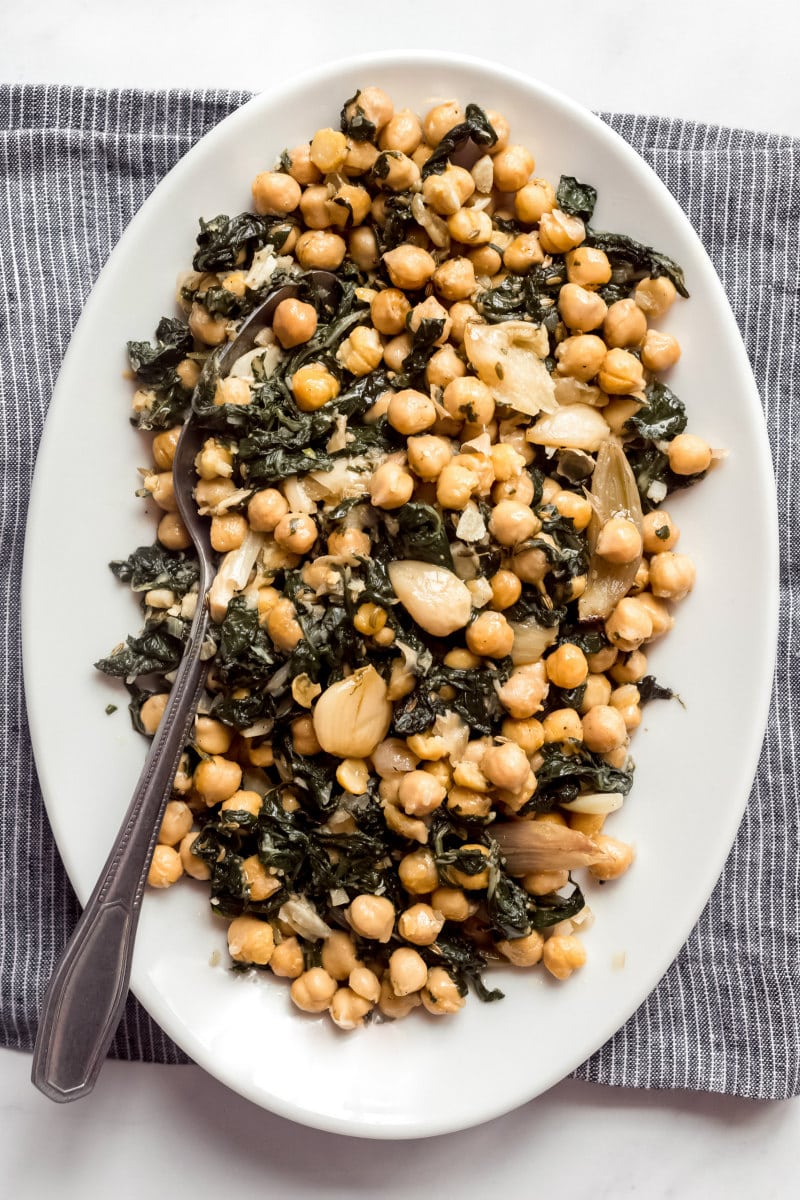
(588, 266)
(428, 455)
(232, 390)
(534, 200)
(365, 983)
(375, 105)
(408, 971)
(559, 232)
(260, 884)
(172, 532)
(581, 310)
(396, 172)
(455, 279)
(283, 626)
(440, 120)
(294, 323)
(212, 737)
(630, 669)
(441, 996)
(531, 565)
(655, 296)
(513, 167)
(660, 617)
(461, 313)
(524, 951)
(194, 867)
(625, 324)
(216, 779)
(420, 793)
(525, 690)
(339, 957)
(562, 725)
(485, 260)
(391, 486)
(250, 941)
(152, 711)
(446, 193)
(522, 253)
(389, 310)
(361, 352)
(363, 247)
(689, 454)
(313, 386)
(265, 509)
(410, 267)
(516, 487)
(506, 589)
(470, 882)
(304, 739)
(452, 903)
(319, 249)
(617, 857)
(175, 824)
(490, 635)
(563, 955)
(275, 194)
(629, 625)
(161, 487)
(659, 532)
(301, 167)
(348, 1008)
(287, 959)
(672, 576)
(360, 158)
(164, 446)
(469, 399)
(418, 873)
(243, 802)
(604, 729)
(598, 691)
(527, 733)
(165, 868)
(228, 531)
(420, 924)
(454, 486)
(567, 666)
(372, 917)
(443, 367)
(506, 766)
(328, 150)
(621, 373)
(214, 460)
(411, 412)
(396, 1007)
(403, 132)
(296, 532)
(472, 226)
(541, 883)
(512, 523)
(188, 372)
(580, 356)
(212, 331)
(313, 991)
(314, 207)
(619, 541)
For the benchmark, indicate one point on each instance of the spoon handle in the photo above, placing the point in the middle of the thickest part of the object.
(87, 992)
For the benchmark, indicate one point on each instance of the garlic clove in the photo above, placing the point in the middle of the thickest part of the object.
(437, 599)
(353, 715)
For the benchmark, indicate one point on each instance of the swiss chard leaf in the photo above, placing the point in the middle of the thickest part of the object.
(420, 535)
(357, 124)
(278, 464)
(651, 466)
(154, 363)
(561, 776)
(154, 650)
(631, 260)
(650, 689)
(155, 567)
(662, 418)
(475, 127)
(423, 345)
(577, 199)
(222, 238)
(520, 297)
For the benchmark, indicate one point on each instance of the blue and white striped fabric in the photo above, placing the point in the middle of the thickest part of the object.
(75, 164)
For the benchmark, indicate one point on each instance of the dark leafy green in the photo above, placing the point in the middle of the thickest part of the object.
(576, 198)
(155, 567)
(475, 127)
(423, 345)
(357, 124)
(631, 260)
(662, 418)
(650, 689)
(420, 534)
(154, 363)
(650, 465)
(154, 650)
(221, 239)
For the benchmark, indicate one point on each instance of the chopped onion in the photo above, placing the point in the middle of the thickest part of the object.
(437, 599)
(530, 641)
(577, 425)
(233, 574)
(471, 526)
(300, 914)
(508, 359)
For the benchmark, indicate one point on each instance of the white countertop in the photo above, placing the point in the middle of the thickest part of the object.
(175, 1131)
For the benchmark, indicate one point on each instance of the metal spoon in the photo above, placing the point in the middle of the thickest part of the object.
(87, 991)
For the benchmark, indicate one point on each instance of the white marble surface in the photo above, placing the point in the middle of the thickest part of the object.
(175, 1131)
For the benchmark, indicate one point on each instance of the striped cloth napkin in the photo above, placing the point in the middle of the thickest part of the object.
(75, 164)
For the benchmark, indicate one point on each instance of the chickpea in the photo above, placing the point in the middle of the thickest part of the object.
(320, 249)
(443, 367)
(397, 351)
(506, 766)
(452, 903)
(188, 372)
(446, 193)
(428, 455)
(419, 793)
(408, 971)
(418, 873)
(420, 924)
(517, 487)
(618, 856)
(524, 951)
(689, 454)
(212, 737)
(301, 167)
(396, 1007)
(580, 356)
(512, 523)
(574, 507)
(294, 323)
(296, 532)
(365, 983)
(243, 802)
(161, 487)
(372, 917)
(282, 625)
(232, 390)
(513, 167)
(192, 865)
(391, 486)
(534, 200)
(490, 635)
(602, 660)
(328, 150)
(621, 373)
(506, 589)
(213, 461)
(409, 267)
(455, 486)
(455, 279)
(655, 296)
(563, 955)
(349, 543)
(531, 565)
(588, 267)
(260, 884)
(559, 232)
(525, 690)
(172, 532)
(411, 412)
(361, 352)
(265, 509)
(314, 207)
(469, 399)
(389, 310)
(619, 541)
(441, 996)
(485, 260)
(348, 1008)
(630, 624)
(287, 959)
(562, 725)
(374, 104)
(216, 779)
(275, 194)
(672, 576)
(472, 226)
(339, 957)
(581, 310)
(625, 324)
(567, 666)
(660, 616)
(396, 172)
(212, 331)
(604, 729)
(440, 120)
(527, 733)
(304, 739)
(542, 883)
(164, 447)
(659, 532)
(522, 253)
(165, 868)
(363, 247)
(630, 669)
(175, 824)
(250, 940)
(598, 692)
(403, 132)
(313, 991)
(228, 531)
(152, 711)
(475, 882)
(313, 386)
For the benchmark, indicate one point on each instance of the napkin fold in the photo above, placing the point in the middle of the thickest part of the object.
(75, 165)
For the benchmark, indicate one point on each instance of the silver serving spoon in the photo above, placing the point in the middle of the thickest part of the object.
(87, 991)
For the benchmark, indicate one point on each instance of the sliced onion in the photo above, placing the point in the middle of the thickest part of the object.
(530, 641)
(300, 914)
(614, 493)
(508, 359)
(577, 425)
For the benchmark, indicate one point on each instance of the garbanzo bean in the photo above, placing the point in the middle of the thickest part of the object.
(689, 454)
